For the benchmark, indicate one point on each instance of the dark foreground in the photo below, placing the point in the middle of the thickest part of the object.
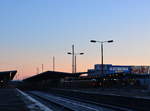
(10, 101)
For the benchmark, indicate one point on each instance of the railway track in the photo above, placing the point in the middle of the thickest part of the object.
(49, 103)
(116, 102)
(115, 108)
(71, 104)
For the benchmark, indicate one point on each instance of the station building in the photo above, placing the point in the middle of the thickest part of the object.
(116, 69)
(122, 73)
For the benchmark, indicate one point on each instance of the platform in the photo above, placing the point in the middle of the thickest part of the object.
(10, 101)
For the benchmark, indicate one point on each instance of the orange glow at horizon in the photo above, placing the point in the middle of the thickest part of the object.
(82, 66)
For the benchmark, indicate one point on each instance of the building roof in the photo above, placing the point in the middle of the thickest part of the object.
(8, 75)
(52, 75)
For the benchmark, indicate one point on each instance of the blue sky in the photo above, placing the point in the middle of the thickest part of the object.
(32, 31)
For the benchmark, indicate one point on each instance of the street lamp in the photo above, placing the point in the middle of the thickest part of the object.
(74, 57)
(75, 60)
(102, 42)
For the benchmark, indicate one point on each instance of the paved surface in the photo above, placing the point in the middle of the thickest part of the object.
(10, 101)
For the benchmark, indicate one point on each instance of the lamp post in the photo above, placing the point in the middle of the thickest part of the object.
(102, 42)
(42, 68)
(75, 68)
(72, 53)
(53, 63)
(74, 59)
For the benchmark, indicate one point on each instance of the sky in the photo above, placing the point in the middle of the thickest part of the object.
(33, 31)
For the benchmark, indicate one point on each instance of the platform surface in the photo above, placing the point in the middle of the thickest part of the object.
(11, 101)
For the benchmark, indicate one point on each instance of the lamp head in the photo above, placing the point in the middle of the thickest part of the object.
(81, 53)
(110, 41)
(93, 41)
(69, 53)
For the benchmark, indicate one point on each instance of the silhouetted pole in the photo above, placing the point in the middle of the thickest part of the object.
(53, 63)
(73, 70)
(42, 67)
(75, 67)
(102, 58)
